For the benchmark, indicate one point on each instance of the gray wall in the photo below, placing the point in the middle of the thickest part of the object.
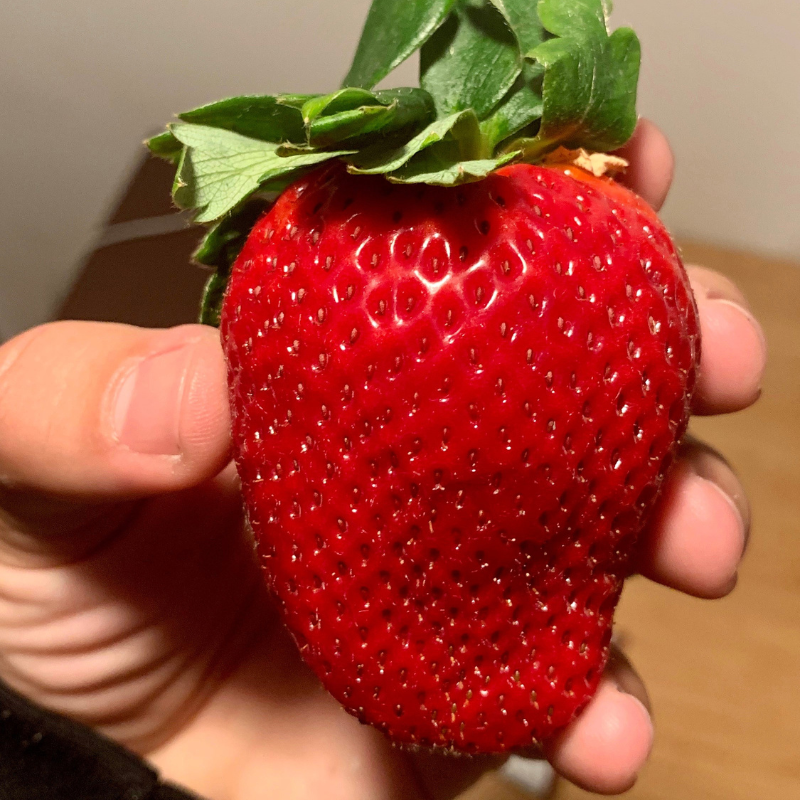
(82, 81)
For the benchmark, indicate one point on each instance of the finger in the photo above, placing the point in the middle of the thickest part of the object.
(101, 412)
(605, 747)
(699, 532)
(652, 164)
(734, 349)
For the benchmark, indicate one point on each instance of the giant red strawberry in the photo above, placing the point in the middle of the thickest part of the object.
(453, 410)
(456, 392)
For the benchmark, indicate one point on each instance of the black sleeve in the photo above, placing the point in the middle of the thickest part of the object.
(44, 756)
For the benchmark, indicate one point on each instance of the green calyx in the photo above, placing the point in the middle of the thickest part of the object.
(500, 81)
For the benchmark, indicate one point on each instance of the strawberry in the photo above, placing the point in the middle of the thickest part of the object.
(455, 393)
(453, 410)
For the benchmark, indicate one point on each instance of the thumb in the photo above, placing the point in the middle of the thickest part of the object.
(100, 412)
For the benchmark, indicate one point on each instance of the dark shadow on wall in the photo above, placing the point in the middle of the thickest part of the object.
(141, 271)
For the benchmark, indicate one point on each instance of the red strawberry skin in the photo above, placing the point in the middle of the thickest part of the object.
(453, 410)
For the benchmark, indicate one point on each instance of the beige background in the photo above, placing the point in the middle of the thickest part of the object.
(82, 81)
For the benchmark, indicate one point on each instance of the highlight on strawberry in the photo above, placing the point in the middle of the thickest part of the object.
(461, 358)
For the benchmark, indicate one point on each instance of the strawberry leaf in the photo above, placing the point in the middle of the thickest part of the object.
(224, 240)
(589, 91)
(471, 61)
(521, 107)
(442, 165)
(346, 99)
(165, 146)
(219, 249)
(259, 117)
(461, 128)
(219, 169)
(294, 100)
(327, 131)
(355, 113)
(448, 152)
(213, 297)
(393, 31)
(501, 80)
(524, 21)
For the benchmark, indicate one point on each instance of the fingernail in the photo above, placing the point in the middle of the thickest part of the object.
(749, 349)
(712, 468)
(148, 403)
(648, 715)
(744, 311)
(623, 676)
(727, 292)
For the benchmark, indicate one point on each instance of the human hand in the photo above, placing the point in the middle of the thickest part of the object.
(130, 597)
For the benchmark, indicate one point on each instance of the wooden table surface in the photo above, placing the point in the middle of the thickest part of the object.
(724, 677)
